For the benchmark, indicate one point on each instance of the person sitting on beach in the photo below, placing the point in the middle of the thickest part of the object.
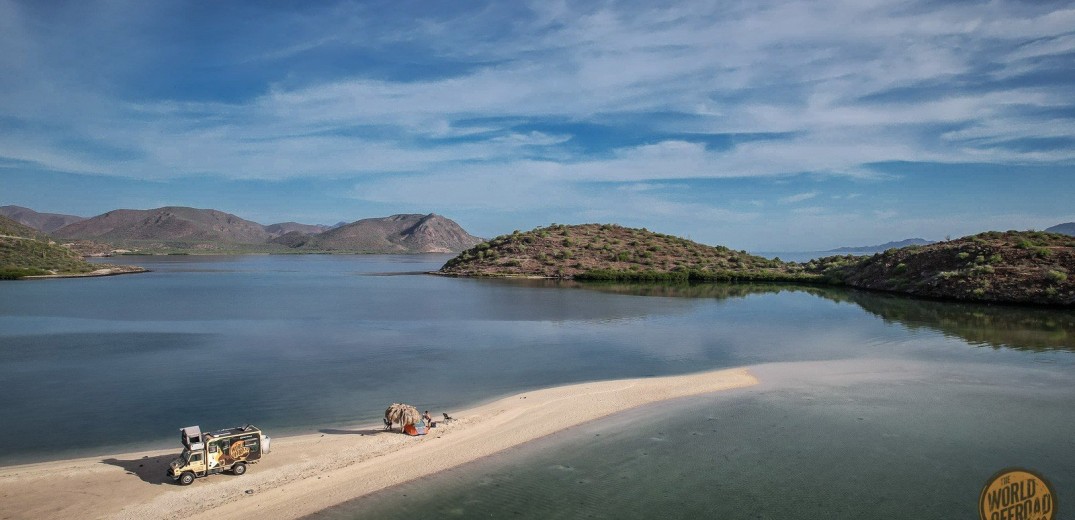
(428, 419)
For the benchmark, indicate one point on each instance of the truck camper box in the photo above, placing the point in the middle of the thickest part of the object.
(207, 453)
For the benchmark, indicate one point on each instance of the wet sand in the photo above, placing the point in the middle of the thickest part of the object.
(306, 473)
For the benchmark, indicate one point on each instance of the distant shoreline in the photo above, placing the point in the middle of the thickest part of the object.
(113, 270)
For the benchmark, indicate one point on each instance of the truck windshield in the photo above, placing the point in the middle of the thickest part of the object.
(185, 456)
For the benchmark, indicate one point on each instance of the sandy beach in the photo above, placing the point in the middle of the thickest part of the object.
(307, 473)
(108, 270)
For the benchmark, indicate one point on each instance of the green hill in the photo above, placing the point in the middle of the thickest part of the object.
(26, 252)
(611, 252)
(11, 228)
(1013, 266)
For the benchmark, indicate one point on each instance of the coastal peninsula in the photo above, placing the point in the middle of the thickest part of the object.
(1027, 267)
(27, 253)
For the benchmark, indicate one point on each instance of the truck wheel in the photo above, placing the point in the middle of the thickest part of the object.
(186, 478)
(239, 468)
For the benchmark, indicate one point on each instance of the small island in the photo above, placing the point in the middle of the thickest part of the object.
(1029, 267)
(612, 252)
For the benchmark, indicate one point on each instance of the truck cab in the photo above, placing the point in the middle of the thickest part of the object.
(230, 449)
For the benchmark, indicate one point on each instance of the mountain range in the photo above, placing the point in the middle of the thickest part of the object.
(169, 223)
(47, 222)
(210, 229)
(882, 247)
(399, 233)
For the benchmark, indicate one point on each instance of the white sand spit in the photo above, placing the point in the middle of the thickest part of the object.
(307, 473)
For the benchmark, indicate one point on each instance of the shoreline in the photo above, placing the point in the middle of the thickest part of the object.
(307, 473)
(114, 270)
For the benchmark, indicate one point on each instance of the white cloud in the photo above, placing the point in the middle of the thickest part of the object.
(798, 197)
(848, 83)
(531, 139)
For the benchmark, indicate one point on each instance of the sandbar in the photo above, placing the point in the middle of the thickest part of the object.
(103, 270)
(307, 473)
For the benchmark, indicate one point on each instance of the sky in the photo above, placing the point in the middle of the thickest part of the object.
(759, 125)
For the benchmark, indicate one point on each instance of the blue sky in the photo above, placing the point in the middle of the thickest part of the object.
(760, 125)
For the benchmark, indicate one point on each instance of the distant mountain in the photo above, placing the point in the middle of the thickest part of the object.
(170, 223)
(47, 222)
(293, 239)
(284, 228)
(882, 247)
(182, 227)
(13, 228)
(1067, 228)
(396, 234)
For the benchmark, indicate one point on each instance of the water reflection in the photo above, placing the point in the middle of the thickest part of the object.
(1021, 328)
(996, 326)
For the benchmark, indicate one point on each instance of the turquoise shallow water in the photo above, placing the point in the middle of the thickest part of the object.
(874, 439)
(860, 390)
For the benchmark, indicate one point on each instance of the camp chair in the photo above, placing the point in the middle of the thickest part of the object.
(447, 418)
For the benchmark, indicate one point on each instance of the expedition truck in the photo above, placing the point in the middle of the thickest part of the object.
(230, 449)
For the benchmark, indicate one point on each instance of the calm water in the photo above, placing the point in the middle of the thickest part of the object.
(855, 439)
(867, 399)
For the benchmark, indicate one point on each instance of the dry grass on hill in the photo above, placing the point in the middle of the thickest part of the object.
(1012, 266)
(607, 251)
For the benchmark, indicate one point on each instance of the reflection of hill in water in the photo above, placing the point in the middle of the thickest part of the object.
(718, 291)
(997, 326)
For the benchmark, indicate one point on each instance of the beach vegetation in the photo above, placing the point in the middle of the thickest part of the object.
(26, 252)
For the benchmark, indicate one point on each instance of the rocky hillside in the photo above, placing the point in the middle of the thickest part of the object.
(1019, 267)
(12, 228)
(1011, 267)
(396, 234)
(611, 252)
(47, 222)
(167, 224)
(26, 252)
